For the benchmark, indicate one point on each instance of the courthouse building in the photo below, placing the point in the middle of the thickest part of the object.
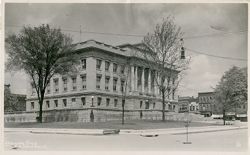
(105, 74)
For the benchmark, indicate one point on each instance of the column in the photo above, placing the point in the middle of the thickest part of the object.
(142, 80)
(136, 77)
(132, 78)
(149, 81)
(155, 83)
(159, 82)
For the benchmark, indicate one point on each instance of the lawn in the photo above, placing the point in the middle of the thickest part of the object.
(129, 124)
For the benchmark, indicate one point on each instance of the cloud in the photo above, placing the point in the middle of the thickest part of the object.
(195, 19)
(17, 81)
(200, 77)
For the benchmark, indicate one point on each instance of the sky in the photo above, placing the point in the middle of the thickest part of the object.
(215, 29)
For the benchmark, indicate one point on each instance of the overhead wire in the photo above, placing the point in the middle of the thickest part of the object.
(187, 37)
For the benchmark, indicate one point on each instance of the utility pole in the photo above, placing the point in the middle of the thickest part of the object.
(187, 125)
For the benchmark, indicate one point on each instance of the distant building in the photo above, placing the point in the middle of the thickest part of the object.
(206, 103)
(188, 104)
(194, 106)
(13, 102)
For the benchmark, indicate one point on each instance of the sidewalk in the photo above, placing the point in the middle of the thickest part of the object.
(175, 131)
(125, 131)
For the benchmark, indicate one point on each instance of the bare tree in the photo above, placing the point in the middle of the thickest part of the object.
(41, 52)
(125, 80)
(162, 51)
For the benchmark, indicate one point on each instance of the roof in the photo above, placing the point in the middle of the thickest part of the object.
(127, 50)
(187, 98)
(100, 45)
(205, 93)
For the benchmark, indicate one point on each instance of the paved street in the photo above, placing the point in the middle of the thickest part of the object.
(231, 140)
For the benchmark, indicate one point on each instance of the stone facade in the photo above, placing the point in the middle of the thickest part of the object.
(105, 75)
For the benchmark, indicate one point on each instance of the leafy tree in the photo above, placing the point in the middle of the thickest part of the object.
(163, 49)
(231, 91)
(41, 52)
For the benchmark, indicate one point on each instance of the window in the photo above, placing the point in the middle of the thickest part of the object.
(83, 77)
(114, 68)
(32, 105)
(173, 107)
(191, 108)
(65, 82)
(107, 101)
(173, 95)
(56, 87)
(98, 64)
(107, 82)
(153, 105)
(169, 107)
(168, 89)
(99, 101)
(122, 69)
(47, 103)
(48, 88)
(84, 87)
(122, 85)
(115, 102)
(56, 103)
(173, 81)
(33, 89)
(73, 99)
(83, 99)
(83, 62)
(114, 84)
(65, 102)
(73, 83)
(203, 108)
(123, 103)
(107, 64)
(147, 105)
(140, 104)
(98, 81)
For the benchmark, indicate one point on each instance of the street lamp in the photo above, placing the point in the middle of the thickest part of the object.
(91, 112)
(182, 49)
(92, 101)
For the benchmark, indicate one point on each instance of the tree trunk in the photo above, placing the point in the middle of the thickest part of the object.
(41, 108)
(224, 117)
(40, 120)
(123, 109)
(235, 116)
(163, 106)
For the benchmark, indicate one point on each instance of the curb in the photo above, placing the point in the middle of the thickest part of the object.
(176, 131)
(91, 132)
(98, 132)
(193, 132)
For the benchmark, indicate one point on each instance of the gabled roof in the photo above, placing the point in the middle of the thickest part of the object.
(101, 46)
